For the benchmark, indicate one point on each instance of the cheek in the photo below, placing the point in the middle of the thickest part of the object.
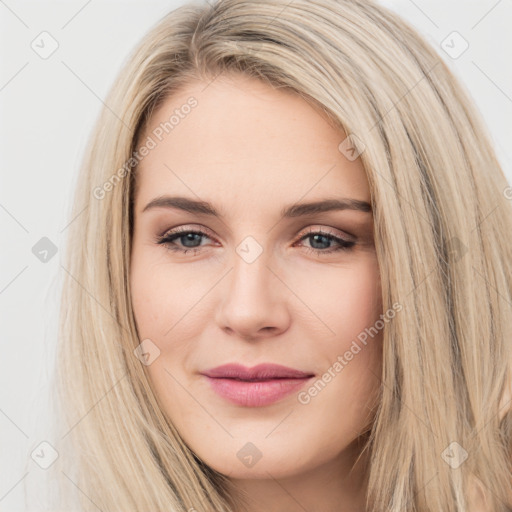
(162, 300)
(344, 300)
(162, 294)
(352, 350)
(360, 328)
(360, 300)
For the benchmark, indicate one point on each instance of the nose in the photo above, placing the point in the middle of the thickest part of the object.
(254, 302)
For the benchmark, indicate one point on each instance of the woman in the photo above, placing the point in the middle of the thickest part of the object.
(291, 286)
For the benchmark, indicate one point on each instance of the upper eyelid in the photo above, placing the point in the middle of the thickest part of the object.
(186, 228)
(330, 231)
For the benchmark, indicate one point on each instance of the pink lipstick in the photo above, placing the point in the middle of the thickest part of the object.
(255, 387)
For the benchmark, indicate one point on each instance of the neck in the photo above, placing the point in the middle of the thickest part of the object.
(338, 484)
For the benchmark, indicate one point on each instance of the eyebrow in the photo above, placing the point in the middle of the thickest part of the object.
(295, 210)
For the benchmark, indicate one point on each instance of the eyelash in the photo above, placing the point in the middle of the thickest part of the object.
(168, 238)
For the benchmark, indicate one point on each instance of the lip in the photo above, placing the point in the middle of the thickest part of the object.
(262, 372)
(261, 385)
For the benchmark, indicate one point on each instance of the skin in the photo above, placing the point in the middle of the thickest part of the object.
(251, 150)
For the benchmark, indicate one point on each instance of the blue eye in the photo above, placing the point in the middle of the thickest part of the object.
(322, 237)
(187, 237)
(190, 240)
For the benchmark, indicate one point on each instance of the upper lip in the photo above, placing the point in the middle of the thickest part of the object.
(261, 371)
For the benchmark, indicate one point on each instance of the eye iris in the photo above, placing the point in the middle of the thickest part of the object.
(189, 237)
(316, 238)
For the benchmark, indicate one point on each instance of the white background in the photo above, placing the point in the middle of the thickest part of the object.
(47, 109)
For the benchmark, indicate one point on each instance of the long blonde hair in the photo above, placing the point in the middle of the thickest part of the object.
(443, 225)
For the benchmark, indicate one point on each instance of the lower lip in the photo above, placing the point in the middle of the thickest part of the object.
(255, 394)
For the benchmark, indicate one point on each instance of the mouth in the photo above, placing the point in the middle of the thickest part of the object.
(257, 387)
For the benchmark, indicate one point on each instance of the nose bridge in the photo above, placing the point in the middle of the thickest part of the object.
(250, 277)
(250, 261)
(252, 303)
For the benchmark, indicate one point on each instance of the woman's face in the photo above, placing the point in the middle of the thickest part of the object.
(248, 285)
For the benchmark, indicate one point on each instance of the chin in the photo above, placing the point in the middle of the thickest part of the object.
(259, 461)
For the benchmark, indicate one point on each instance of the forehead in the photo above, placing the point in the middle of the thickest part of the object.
(244, 139)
